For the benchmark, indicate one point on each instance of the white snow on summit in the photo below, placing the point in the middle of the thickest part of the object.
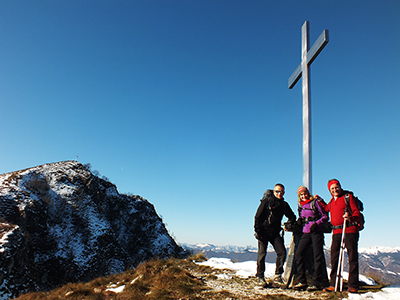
(378, 249)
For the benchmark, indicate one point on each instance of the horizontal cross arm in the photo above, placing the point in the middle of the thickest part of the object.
(319, 44)
(312, 54)
(295, 77)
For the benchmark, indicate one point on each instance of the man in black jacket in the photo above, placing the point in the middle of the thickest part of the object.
(267, 227)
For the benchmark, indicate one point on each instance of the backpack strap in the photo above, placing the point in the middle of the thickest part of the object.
(347, 200)
(312, 206)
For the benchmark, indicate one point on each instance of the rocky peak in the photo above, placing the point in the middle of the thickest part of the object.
(61, 223)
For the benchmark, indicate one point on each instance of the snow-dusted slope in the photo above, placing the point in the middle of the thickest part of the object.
(60, 223)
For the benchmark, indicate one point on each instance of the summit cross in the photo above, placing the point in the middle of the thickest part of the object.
(307, 57)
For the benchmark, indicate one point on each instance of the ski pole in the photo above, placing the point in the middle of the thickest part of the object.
(342, 266)
(340, 263)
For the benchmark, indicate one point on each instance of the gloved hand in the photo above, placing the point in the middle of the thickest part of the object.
(257, 236)
(313, 227)
(299, 221)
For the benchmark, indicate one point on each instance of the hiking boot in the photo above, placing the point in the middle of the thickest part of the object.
(352, 290)
(313, 288)
(278, 281)
(261, 282)
(300, 286)
(329, 289)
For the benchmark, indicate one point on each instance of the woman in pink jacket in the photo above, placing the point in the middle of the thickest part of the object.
(313, 216)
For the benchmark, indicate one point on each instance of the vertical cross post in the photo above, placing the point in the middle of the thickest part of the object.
(307, 57)
(305, 45)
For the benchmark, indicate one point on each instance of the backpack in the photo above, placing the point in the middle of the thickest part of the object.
(327, 226)
(270, 217)
(360, 207)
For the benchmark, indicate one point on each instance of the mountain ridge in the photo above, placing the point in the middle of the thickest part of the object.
(230, 247)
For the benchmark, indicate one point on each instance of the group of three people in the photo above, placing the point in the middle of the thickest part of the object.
(313, 215)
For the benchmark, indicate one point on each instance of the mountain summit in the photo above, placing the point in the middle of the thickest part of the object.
(61, 223)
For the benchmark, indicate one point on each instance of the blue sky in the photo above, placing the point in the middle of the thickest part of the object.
(186, 103)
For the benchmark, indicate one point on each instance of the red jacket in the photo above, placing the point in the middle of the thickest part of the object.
(337, 209)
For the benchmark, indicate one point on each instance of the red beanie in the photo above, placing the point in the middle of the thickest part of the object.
(332, 181)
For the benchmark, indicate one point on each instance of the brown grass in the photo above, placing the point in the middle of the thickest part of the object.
(198, 257)
(155, 279)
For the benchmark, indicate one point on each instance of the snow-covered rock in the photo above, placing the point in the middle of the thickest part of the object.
(61, 223)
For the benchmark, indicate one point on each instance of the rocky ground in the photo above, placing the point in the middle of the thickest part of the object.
(234, 287)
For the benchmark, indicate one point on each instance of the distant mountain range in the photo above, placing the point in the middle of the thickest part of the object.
(235, 253)
(379, 263)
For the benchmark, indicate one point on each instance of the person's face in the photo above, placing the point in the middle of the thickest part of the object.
(279, 192)
(335, 190)
(304, 196)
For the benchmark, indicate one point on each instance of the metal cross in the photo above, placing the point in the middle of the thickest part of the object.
(307, 57)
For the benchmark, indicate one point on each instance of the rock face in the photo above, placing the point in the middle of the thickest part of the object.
(60, 223)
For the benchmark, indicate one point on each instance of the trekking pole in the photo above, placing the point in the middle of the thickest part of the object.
(339, 273)
(343, 246)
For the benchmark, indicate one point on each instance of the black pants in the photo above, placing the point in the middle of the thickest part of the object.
(316, 240)
(279, 247)
(351, 244)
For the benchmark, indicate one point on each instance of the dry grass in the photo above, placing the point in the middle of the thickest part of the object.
(155, 279)
(173, 279)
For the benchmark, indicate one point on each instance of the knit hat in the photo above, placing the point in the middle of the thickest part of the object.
(333, 181)
(302, 189)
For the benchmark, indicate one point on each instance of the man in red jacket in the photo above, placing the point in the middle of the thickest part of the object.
(340, 211)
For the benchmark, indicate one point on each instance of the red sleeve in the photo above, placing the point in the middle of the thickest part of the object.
(327, 207)
(324, 205)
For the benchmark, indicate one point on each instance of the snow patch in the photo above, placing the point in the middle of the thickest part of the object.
(4, 238)
(116, 289)
(248, 268)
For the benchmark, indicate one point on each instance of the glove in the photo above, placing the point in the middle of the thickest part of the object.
(256, 236)
(299, 221)
(288, 226)
(313, 227)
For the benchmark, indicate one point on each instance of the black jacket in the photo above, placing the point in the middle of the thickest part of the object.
(269, 214)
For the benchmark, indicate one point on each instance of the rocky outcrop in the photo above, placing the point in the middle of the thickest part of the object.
(61, 223)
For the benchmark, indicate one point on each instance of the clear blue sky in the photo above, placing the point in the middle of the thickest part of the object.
(186, 103)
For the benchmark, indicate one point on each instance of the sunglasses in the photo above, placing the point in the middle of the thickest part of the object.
(279, 192)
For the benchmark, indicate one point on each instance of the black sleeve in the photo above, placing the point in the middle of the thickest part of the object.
(289, 213)
(260, 217)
